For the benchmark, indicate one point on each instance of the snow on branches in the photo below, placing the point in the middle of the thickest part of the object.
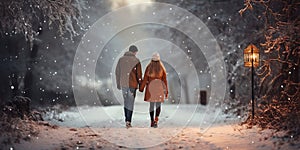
(27, 17)
(279, 74)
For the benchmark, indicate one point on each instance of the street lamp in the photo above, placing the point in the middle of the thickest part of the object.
(251, 59)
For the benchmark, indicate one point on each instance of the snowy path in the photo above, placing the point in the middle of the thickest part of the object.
(223, 137)
(173, 133)
(109, 123)
(84, 138)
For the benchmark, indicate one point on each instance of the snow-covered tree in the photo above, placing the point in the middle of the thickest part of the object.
(21, 24)
(27, 17)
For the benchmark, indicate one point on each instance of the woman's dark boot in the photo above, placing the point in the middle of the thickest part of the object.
(152, 118)
(155, 122)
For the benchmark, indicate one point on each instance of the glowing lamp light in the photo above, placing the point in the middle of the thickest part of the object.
(251, 56)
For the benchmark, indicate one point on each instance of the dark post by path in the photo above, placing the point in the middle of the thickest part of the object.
(252, 83)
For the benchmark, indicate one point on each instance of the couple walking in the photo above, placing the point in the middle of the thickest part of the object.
(129, 79)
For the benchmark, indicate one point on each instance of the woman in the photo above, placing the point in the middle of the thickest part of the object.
(155, 80)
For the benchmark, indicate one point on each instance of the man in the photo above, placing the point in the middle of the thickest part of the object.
(129, 77)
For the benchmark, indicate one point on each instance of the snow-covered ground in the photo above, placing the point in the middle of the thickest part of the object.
(180, 127)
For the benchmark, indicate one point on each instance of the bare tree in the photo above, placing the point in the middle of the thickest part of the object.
(279, 85)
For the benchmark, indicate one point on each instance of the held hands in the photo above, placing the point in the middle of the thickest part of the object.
(141, 89)
(166, 94)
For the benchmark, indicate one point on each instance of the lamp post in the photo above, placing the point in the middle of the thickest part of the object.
(251, 59)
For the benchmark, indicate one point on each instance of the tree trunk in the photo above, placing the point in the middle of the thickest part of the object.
(28, 80)
(14, 83)
(14, 72)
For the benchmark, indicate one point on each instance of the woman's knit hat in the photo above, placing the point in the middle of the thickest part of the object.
(155, 56)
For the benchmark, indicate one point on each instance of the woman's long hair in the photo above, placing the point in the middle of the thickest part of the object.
(156, 69)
